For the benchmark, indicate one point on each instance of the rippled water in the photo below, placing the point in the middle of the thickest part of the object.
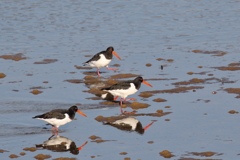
(141, 32)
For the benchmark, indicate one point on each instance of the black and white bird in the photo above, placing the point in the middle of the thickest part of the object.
(59, 117)
(61, 144)
(126, 88)
(129, 124)
(102, 59)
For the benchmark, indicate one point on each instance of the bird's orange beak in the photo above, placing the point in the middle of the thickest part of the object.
(147, 83)
(116, 55)
(81, 113)
(80, 148)
(145, 128)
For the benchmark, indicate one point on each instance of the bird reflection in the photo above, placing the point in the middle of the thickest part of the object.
(61, 144)
(130, 124)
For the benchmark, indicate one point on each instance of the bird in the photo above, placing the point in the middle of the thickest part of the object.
(61, 144)
(129, 124)
(102, 59)
(59, 117)
(126, 88)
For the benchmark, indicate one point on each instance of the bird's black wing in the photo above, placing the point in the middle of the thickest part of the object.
(58, 113)
(95, 57)
(120, 85)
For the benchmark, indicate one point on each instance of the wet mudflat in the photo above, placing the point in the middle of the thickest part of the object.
(187, 50)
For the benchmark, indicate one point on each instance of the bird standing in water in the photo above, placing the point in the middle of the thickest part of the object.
(126, 88)
(102, 59)
(59, 117)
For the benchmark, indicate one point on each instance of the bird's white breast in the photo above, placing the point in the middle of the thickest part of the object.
(57, 141)
(57, 122)
(124, 92)
(102, 62)
(130, 121)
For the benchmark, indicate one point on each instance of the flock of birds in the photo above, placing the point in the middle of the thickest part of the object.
(122, 89)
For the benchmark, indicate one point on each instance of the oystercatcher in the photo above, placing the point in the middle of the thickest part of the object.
(102, 59)
(129, 124)
(61, 144)
(125, 88)
(59, 117)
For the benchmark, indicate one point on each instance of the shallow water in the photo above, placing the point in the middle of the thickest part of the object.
(141, 32)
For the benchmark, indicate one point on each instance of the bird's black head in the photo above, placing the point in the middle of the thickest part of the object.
(140, 78)
(110, 48)
(74, 108)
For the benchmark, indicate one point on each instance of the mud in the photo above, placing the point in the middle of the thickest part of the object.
(2, 75)
(162, 59)
(159, 111)
(92, 73)
(121, 76)
(74, 81)
(109, 103)
(22, 153)
(166, 154)
(206, 101)
(31, 149)
(233, 91)
(148, 64)
(13, 156)
(204, 154)
(46, 61)
(39, 87)
(176, 90)
(80, 67)
(137, 105)
(116, 65)
(145, 95)
(197, 81)
(36, 92)
(2, 151)
(123, 153)
(114, 118)
(159, 100)
(42, 156)
(227, 68)
(95, 91)
(233, 112)
(94, 98)
(214, 53)
(101, 140)
(90, 78)
(65, 158)
(14, 81)
(190, 73)
(93, 137)
(14, 57)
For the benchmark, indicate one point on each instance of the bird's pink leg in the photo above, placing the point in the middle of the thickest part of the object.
(130, 99)
(121, 101)
(56, 129)
(51, 136)
(53, 128)
(125, 111)
(111, 68)
(98, 72)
